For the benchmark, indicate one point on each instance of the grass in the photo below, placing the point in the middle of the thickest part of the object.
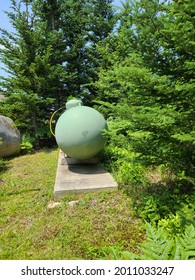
(30, 230)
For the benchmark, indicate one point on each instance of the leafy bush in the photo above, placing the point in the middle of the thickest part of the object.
(167, 205)
(175, 224)
(122, 163)
(27, 144)
(160, 246)
(146, 84)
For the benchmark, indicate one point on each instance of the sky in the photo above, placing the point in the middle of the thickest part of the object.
(4, 22)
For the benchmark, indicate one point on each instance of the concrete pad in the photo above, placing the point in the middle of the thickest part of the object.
(78, 178)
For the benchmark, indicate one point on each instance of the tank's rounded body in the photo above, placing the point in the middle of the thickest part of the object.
(79, 132)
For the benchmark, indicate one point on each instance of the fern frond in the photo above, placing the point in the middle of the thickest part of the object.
(149, 253)
(190, 255)
(155, 233)
(159, 246)
(187, 243)
(167, 250)
(178, 251)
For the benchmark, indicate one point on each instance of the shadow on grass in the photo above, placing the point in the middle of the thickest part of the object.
(47, 150)
(3, 166)
(21, 192)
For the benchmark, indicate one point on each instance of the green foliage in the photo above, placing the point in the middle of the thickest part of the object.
(160, 246)
(28, 59)
(105, 253)
(27, 144)
(51, 54)
(119, 158)
(130, 173)
(147, 80)
(169, 206)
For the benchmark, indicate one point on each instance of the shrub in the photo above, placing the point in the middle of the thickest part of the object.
(160, 246)
(27, 144)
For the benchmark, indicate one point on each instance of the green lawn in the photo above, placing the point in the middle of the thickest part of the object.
(30, 230)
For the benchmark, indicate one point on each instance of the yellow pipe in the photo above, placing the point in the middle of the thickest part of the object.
(51, 119)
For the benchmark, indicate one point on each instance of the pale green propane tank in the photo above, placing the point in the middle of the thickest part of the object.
(79, 129)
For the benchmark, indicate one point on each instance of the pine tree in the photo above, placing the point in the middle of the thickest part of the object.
(148, 81)
(50, 56)
(49, 21)
(85, 23)
(102, 19)
(74, 17)
(31, 85)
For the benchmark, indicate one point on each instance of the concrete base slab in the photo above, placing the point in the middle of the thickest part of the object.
(78, 178)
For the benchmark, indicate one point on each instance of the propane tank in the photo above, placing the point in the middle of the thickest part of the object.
(79, 129)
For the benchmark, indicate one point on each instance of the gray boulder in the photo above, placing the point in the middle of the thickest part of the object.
(9, 137)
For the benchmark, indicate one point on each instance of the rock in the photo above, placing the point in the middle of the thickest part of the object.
(53, 204)
(9, 137)
(73, 203)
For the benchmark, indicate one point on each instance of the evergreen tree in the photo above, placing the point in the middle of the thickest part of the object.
(102, 19)
(148, 84)
(34, 62)
(74, 18)
(49, 19)
(85, 23)
(49, 57)
(23, 100)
